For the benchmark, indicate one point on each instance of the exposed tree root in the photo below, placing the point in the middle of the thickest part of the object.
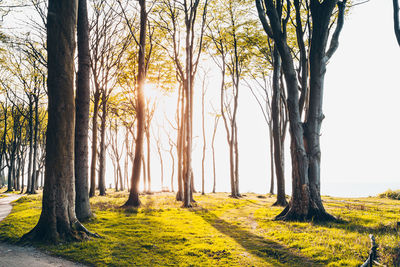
(280, 203)
(316, 215)
(48, 234)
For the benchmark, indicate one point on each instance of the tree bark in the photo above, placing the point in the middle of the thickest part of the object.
(94, 142)
(213, 152)
(276, 128)
(140, 110)
(306, 203)
(58, 220)
(396, 11)
(82, 104)
(102, 153)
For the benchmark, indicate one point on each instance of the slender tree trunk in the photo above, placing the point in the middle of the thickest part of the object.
(179, 148)
(173, 168)
(94, 143)
(213, 152)
(148, 158)
(30, 125)
(204, 139)
(144, 175)
(102, 154)
(82, 102)
(140, 111)
(271, 154)
(35, 146)
(276, 128)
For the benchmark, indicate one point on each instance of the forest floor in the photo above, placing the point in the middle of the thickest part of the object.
(220, 231)
(16, 256)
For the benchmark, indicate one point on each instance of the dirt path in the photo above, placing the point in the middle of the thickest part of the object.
(14, 256)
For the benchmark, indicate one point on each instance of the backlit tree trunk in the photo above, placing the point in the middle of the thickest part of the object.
(82, 102)
(140, 110)
(94, 142)
(102, 152)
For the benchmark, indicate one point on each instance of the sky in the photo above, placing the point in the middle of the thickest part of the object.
(359, 136)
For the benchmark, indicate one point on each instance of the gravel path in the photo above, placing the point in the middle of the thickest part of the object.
(14, 256)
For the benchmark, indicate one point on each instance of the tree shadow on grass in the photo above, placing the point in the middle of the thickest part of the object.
(268, 250)
(359, 227)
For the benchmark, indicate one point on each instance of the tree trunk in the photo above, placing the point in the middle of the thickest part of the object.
(102, 154)
(30, 125)
(148, 158)
(204, 139)
(35, 146)
(82, 102)
(140, 111)
(173, 168)
(213, 152)
(276, 129)
(58, 220)
(306, 203)
(271, 154)
(396, 11)
(94, 142)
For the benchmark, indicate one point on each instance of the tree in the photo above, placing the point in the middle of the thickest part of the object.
(216, 120)
(82, 103)
(58, 219)
(306, 203)
(178, 15)
(133, 199)
(396, 11)
(231, 56)
(108, 44)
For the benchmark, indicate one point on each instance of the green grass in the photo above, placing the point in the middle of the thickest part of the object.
(220, 231)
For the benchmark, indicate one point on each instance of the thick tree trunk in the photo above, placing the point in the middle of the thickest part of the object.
(140, 110)
(276, 128)
(82, 102)
(58, 220)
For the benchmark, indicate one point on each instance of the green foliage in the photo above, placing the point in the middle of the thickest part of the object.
(390, 194)
(219, 231)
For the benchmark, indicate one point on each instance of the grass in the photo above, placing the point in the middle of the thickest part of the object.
(220, 231)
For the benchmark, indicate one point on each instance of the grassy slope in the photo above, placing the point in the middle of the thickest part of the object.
(219, 231)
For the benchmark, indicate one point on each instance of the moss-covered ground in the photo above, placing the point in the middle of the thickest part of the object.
(220, 231)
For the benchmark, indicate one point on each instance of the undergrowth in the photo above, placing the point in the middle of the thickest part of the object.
(390, 194)
(219, 231)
